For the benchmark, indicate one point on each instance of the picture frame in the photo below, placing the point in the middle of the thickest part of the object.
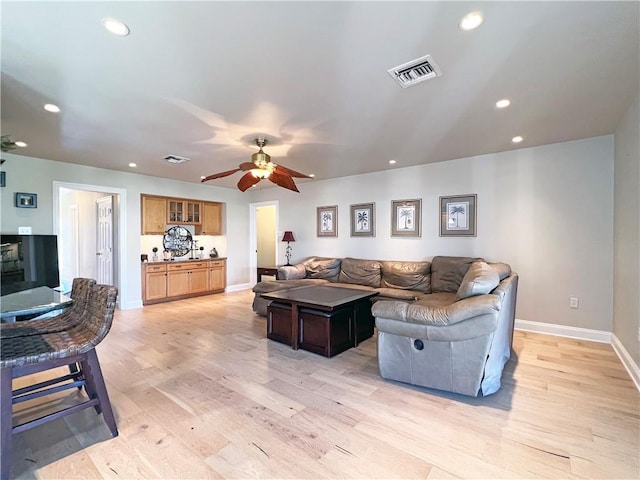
(26, 200)
(406, 218)
(363, 220)
(458, 215)
(327, 221)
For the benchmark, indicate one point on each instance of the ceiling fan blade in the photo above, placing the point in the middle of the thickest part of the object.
(247, 166)
(283, 180)
(247, 181)
(291, 173)
(220, 175)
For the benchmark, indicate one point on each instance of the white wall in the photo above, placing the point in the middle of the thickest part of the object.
(547, 211)
(34, 175)
(626, 287)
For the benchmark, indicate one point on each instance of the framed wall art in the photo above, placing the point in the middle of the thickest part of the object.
(26, 200)
(405, 218)
(363, 220)
(458, 216)
(327, 221)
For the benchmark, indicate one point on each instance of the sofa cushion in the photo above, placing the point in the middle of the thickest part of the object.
(328, 268)
(407, 275)
(480, 279)
(267, 286)
(447, 272)
(437, 300)
(291, 272)
(360, 272)
(396, 294)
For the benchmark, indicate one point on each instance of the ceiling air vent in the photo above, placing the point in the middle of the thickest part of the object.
(176, 159)
(415, 71)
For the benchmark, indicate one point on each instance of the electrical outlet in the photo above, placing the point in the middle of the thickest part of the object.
(573, 302)
(24, 230)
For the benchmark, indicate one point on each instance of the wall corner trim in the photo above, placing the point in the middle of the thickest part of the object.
(627, 361)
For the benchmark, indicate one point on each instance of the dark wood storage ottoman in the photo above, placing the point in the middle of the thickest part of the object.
(279, 322)
(364, 321)
(326, 333)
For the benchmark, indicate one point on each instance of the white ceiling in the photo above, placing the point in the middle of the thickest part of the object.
(202, 79)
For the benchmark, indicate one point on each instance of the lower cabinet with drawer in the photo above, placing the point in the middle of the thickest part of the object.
(163, 282)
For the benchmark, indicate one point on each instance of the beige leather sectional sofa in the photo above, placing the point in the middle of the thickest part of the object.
(445, 323)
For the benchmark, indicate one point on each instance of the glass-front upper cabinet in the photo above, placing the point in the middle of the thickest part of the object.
(184, 211)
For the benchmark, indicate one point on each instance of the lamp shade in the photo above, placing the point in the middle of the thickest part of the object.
(288, 237)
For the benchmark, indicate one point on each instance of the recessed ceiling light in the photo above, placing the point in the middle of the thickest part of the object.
(312, 175)
(116, 27)
(202, 177)
(392, 162)
(504, 103)
(471, 20)
(21, 144)
(133, 165)
(50, 107)
(517, 139)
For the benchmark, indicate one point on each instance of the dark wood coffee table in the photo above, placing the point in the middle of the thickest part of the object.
(320, 319)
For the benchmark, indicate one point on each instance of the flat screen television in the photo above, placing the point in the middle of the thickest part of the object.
(28, 261)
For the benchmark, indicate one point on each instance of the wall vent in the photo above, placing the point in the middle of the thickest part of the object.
(176, 159)
(415, 71)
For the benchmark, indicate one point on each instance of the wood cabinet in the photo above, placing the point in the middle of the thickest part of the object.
(158, 212)
(154, 215)
(183, 212)
(154, 281)
(211, 223)
(162, 282)
(217, 275)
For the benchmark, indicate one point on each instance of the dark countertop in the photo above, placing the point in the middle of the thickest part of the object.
(187, 260)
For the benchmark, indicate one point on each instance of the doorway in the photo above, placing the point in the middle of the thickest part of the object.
(88, 221)
(263, 220)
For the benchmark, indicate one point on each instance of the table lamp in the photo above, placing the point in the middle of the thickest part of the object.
(288, 237)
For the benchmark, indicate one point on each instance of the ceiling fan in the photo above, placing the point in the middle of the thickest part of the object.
(259, 168)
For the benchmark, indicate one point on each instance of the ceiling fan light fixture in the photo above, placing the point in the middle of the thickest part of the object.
(260, 173)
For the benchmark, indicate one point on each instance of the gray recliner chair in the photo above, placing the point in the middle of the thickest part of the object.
(458, 338)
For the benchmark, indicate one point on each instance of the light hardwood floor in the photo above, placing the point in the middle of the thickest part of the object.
(199, 392)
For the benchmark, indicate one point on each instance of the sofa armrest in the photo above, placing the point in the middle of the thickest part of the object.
(439, 316)
(292, 272)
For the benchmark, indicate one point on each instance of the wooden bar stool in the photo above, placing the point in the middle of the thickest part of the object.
(71, 339)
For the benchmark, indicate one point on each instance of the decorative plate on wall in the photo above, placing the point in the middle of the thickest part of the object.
(178, 241)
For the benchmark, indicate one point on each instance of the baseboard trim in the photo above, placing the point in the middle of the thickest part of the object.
(627, 361)
(238, 287)
(563, 331)
(131, 305)
(585, 334)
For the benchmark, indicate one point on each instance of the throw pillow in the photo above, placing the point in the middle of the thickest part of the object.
(480, 279)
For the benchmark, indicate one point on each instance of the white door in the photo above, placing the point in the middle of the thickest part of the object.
(266, 235)
(104, 247)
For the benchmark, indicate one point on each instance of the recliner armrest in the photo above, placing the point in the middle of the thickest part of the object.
(439, 316)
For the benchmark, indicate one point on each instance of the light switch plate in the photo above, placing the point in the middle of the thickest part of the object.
(24, 230)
